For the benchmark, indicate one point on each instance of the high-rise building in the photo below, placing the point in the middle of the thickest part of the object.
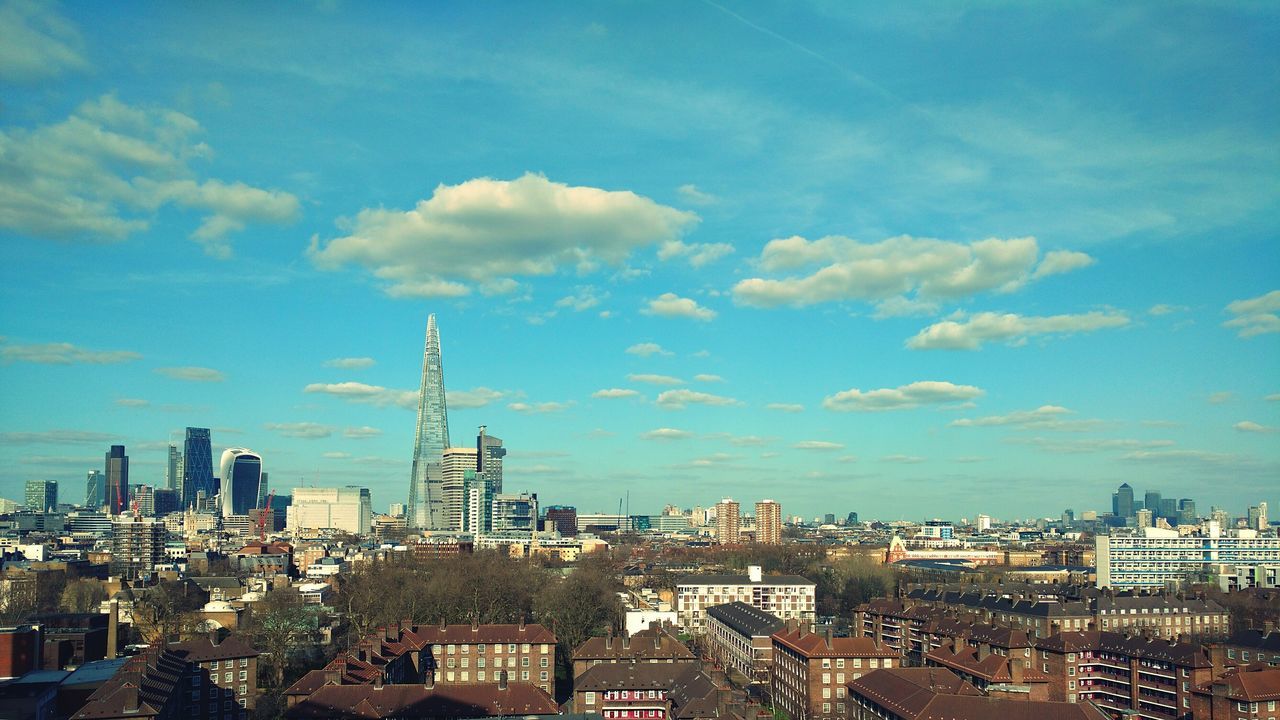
(1144, 518)
(349, 509)
(728, 522)
(42, 495)
(565, 519)
(477, 504)
(95, 490)
(117, 489)
(431, 439)
(1186, 511)
(1068, 518)
(1122, 502)
(768, 522)
(851, 519)
(1151, 501)
(145, 498)
(1263, 522)
(1169, 510)
(166, 501)
(1253, 520)
(197, 467)
(515, 512)
(173, 468)
(489, 454)
(396, 510)
(455, 463)
(137, 546)
(241, 473)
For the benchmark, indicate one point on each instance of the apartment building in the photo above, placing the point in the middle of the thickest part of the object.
(898, 626)
(652, 645)
(1153, 677)
(789, 597)
(164, 684)
(1248, 646)
(1157, 558)
(929, 693)
(646, 691)
(377, 701)
(232, 665)
(1006, 675)
(740, 637)
(810, 671)
(1243, 693)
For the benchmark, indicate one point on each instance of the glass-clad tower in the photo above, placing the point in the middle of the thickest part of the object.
(241, 473)
(426, 500)
(197, 467)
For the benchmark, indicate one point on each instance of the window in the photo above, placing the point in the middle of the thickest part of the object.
(840, 663)
(465, 661)
(214, 665)
(480, 676)
(465, 676)
(826, 663)
(511, 647)
(524, 647)
(543, 675)
(243, 689)
(228, 677)
(244, 675)
(826, 678)
(544, 663)
(466, 649)
(826, 708)
(840, 692)
(546, 649)
(451, 649)
(480, 649)
(244, 662)
(524, 674)
(589, 698)
(524, 662)
(826, 693)
(873, 663)
(840, 678)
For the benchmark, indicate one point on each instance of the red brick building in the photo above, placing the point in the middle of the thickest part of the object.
(652, 645)
(932, 693)
(19, 650)
(810, 671)
(646, 691)
(1245, 693)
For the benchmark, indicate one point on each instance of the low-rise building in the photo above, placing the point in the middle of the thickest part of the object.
(740, 637)
(231, 662)
(378, 701)
(1247, 646)
(926, 693)
(1244, 693)
(810, 671)
(647, 691)
(654, 645)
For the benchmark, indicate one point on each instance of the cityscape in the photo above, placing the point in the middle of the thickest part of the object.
(803, 362)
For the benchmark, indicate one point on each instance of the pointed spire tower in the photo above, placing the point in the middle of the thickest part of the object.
(426, 501)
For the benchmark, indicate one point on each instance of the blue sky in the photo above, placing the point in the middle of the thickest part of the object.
(933, 260)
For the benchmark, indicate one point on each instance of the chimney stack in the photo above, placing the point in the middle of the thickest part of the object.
(333, 677)
(1016, 668)
(377, 681)
(608, 640)
(131, 700)
(828, 637)
(626, 641)
(113, 629)
(984, 651)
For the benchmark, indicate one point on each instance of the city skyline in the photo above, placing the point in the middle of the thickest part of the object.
(1023, 258)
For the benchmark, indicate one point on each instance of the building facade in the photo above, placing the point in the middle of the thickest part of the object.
(1160, 559)
(197, 467)
(789, 597)
(348, 509)
(95, 490)
(431, 438)
(116, 492)
(241, 473)
(728, 522)
(811, 671)
(740, 638)
(137, 546)
(768, 522)
(42, 495)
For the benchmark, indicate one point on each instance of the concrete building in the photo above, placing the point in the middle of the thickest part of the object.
(455, 464)
(728, 522)
(789, 597)
(768, 522)
(42, 495)
(348, 509)
(740, 638)
(1158, 559)
(137, 546)
(116, 491)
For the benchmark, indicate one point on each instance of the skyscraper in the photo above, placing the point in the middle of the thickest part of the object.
(768, 522)
(241, 473)
(117, 489)
(456, 463)
(1122, 501)
(728, 522)
(1151, 501)
(95, 490)
(197, 466)
(42, 495)
(431, 439)
(173, 468)
(489, 454)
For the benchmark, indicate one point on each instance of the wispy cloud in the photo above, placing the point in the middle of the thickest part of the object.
(1252, 427)
(358, 392)
(666, 433)
(62, 354)
(674, 306)
(132, 402)
(358, 433)
(301, 430)
(59, 437)
(916, 394)
(350, 363)
(611, 393)
(654, 379)
(973, 332)
(540, 407)
(785, 407)
(1255, 316)
(902, 459)
(474, 398)
(707, 378)
(820, 445)
(192, 374)
(646, 349)
(678, 399)
(37, 43)
(694, 196)
(1045, 417)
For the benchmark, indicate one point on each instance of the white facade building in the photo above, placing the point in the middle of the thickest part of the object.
(1158, 558)
(349, 509)
(786, 596)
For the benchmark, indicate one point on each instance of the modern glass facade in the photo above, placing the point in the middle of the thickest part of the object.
(241, 473)
(197, 466)
(42, 495)
(117, 489)
(95, 490)
(431, 439)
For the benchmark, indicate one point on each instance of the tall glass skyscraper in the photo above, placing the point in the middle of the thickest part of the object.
(117, 489)
(426, 494)
(95, 490)
(241, 473)
(197, 466)
(173, 469)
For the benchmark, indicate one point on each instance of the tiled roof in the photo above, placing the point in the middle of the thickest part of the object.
(727, 579)
(202, 649)
(938, 694)
(1255, 640)
(474, 700)
(469, 634)
(140, 688)
(630, 676)
(746, 619)
(1182, 654)
(1252, 683)
(649, 644)
(994, 668)
(814, 645)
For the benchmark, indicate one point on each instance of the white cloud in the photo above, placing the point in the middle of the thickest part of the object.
(903, 459)
(103, 174)
(303, 430)
(132, 402)
(1165, 309)
(646, 349)
(63, 354)
(1088, 445)
(335, 455)
(539, 408)
(1181, 457)
(585, 299)
(36, 43)
(691, 194)
(473, 398)
(368, 394)
(192, 374)
(672, 305)
(851, 270)
(696, 254)
(821, 445)
(654, 379)
(1057, 262)
(677, 399)
(433, 288)
(1220, 397)
(785, 407)
(925, 392)
(58, 437)
(360, 433)
(1045, 417)
(900, 306)
(707, 378)
(615, 393)
(666, 434)
(970, 334)
(1255, 316)
(1253, 427)
(1273, 397)
(485, 229)
(350, 363)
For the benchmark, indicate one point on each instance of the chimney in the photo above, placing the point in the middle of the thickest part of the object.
(131, 700)
(984, 651)
(521, 622)
(1093, 625)
(1054, 628)
(502, 680)
(828, 637)
(608, 640)
(333, 676)
(475, 625)
(626, 641)
(657, 641)
(377, 681)
(958, 643)
(113, 629)
(1016, 668)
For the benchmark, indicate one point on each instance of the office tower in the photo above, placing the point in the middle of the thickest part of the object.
(477, 504)
(1263, 522)
(1254, 515)
(145, 498)
(1144, 518)
(166, 501)
(349, 509)
(768, 522)
(431, 439)
(1186, 511)
(1151, 501)
(728, 522)
(489, 454)
(829, 519)
(851, 519)
(173, 468)
(1122, 502)
(117, 490)
(241, 473)
(137, 546)
(984, 523)
(1068, 518)
(262, 491)
(565, 519)
(42, 495)
(455, 463)
(1169, 509)
(95, 490)
(1220, 516)
(396, 510)
(197, 467)
(516, 512)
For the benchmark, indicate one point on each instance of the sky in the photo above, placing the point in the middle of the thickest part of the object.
(921, 260)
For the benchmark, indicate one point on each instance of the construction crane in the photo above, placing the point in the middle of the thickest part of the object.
(262, 517)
